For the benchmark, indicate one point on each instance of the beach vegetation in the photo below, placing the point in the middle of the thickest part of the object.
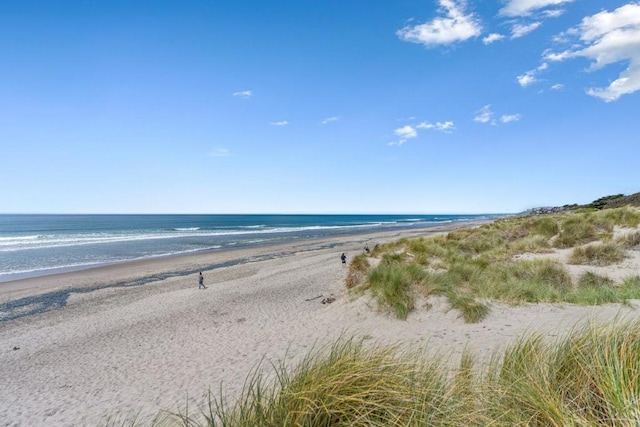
(630, 240)
(576, 230)
(597, 254)
(391, 283)
(504, 261)
(357, 270)
(589, 376)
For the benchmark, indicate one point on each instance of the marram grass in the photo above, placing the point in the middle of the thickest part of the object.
(597, 254)
(468, 266)
(590, 377)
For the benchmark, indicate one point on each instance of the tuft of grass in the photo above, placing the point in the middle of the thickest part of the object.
(629, 241)
(589, 377)
(623, 217)
(598, 254)
(472, 310)
(531, 244)
(576, 230)
(349, 384)
(546, 227)
(357, 271)
(392, 283)
(593, 280)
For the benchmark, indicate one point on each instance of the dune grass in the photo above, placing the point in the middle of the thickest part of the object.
(599, 254)
(589, 377)
(629, 241)
(471, 266)
(357, 270)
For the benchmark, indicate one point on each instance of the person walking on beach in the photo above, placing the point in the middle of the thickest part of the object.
(201, 282)
(343, 257)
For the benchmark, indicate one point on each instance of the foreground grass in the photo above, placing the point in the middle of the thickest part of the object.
(473, 266)
(589, 378)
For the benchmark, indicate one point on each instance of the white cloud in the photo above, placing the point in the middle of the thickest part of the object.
(508, 118)
(406, 132)
(281, 123)
(527, 79)
(330, 119)
(521, 30)
(455, 26)
(243, 94)
(397, 143)
(608, 38)
(485, 115)
(527, 7)
(557, 86)
(493, 37)
(447, 126)
(530, 77)
(219, 152)
(411, 131)
(553, 13)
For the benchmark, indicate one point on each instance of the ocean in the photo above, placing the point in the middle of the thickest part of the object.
(35, 245)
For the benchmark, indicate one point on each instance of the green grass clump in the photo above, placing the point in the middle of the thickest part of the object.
(593, 280)
(629, 241)
(576, 230)
(623, 217)
(531, 244)
(589, 377)
(469, 265)
(603, 254)
(392, 284)
(592, 378)
(546, 227)
(472, 310)
(357, 270)
(349, 384)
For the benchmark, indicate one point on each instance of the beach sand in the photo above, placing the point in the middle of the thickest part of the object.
(109, 351)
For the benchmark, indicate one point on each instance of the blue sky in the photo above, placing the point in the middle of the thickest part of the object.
(342, 106)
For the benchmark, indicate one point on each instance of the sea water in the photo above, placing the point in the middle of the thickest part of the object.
(34, 245)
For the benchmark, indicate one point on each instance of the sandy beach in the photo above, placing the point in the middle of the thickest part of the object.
(139, 338)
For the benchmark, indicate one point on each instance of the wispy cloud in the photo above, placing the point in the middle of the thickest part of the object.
(219, 152)
(553, 13)
(531, 76)
(441, 126)
(406, 132)
(411, 131)
(281, 123)
(456, 25)
(521, 30)
(528, 7)
(508, 118)
(527, 79)
(493, 37)
(243, 94)
(607, 38)
(486, 115)
(557, 86)
(330, 119)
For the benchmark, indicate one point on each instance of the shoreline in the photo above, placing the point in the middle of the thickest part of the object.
(161, 267)
(42, 253)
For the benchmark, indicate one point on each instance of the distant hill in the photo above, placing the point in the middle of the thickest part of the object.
(617, 202)
(606, 202)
